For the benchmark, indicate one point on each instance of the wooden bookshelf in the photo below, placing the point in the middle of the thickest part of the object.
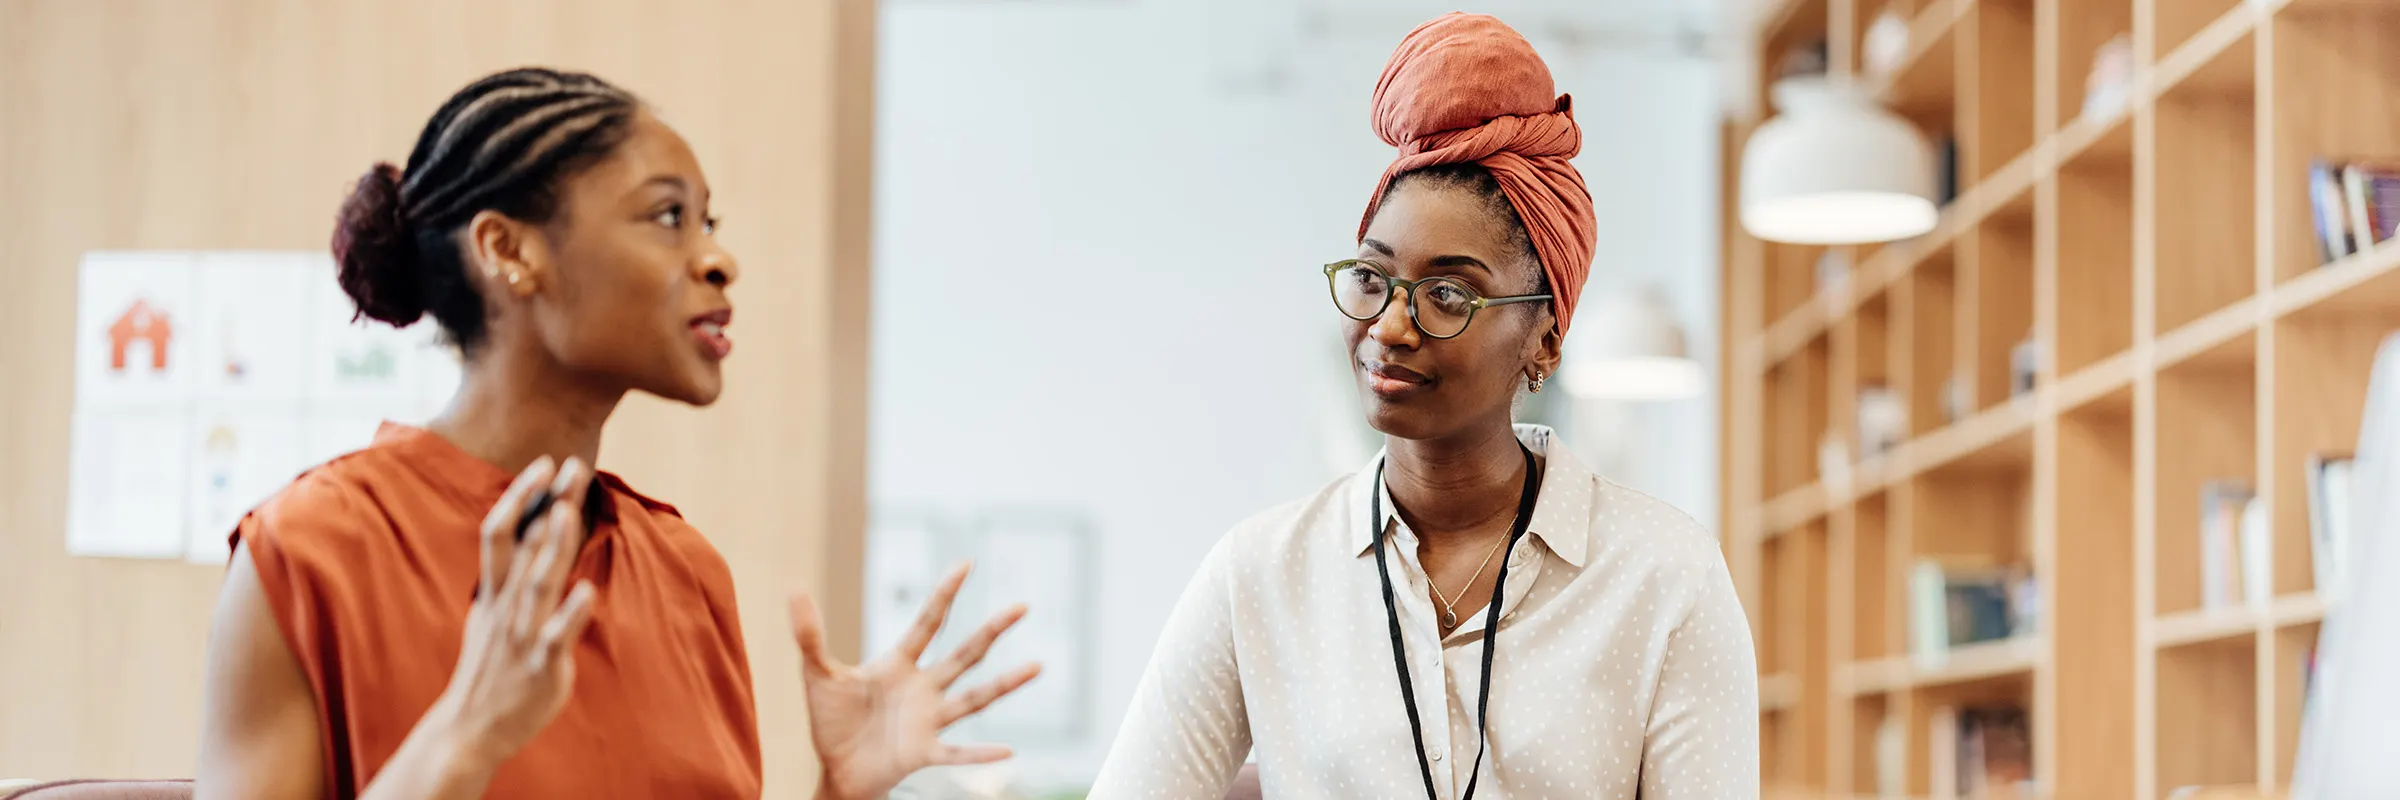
(2163, 258)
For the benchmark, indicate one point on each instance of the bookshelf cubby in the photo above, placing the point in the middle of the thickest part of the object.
(2209, 735)
(2162, 258)
(2095, 271)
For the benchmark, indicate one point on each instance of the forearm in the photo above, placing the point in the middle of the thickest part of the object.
(438, 761)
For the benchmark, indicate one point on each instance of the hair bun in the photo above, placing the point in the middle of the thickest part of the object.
(376, 251)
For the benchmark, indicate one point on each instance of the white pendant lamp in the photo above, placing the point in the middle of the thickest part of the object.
(1835, 168)
(1626, 346)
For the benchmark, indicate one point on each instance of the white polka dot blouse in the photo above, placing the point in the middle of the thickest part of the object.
(1622, 661)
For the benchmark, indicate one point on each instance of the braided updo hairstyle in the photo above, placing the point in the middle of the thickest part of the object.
(503, 144)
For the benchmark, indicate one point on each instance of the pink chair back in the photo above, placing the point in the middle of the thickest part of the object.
(107, 790)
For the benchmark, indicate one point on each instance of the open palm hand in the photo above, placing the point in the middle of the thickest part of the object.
(876, 723)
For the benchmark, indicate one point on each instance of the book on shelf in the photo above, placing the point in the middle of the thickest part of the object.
(2258, 554)
(2235, 546)
(1980, 753)
(2355, 204)
(2371, 195)
(2325, 206)
(1953, 603)
(2329, 521)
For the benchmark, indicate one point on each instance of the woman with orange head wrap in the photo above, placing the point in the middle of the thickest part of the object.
(1474, 611)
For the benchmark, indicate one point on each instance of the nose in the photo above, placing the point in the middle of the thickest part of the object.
(1394, 328)
(716, 267)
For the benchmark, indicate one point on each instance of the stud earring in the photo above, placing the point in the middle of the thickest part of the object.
(1536, 384)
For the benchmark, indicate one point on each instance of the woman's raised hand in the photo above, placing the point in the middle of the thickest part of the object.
(517, 665)
(876, 723)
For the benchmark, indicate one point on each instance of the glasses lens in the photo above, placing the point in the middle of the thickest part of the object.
(1360, 291)
(1444, 306)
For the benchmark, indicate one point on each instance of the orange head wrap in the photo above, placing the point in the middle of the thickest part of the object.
(1466, 87)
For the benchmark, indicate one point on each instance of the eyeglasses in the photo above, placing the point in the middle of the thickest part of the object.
(1440, 307)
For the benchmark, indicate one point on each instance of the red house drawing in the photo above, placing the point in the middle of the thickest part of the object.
(140, 322)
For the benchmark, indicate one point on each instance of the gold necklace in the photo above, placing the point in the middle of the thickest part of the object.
(1449, 605)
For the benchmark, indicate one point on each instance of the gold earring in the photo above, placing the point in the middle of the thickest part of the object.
(1537, 382)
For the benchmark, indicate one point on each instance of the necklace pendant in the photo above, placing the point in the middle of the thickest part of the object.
(1449, 619)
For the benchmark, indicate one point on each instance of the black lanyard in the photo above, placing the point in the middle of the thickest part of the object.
(1491, 625)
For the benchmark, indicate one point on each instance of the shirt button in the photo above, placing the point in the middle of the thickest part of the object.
(1437, 756)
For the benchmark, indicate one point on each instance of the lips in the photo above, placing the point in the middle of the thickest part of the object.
(708, 330)
(1392, 380)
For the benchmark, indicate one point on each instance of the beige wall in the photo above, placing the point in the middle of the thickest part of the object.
(240, 123)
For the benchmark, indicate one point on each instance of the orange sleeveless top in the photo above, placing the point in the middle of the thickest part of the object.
(369, 563)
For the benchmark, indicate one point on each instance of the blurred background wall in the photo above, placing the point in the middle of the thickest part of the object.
(241, 124)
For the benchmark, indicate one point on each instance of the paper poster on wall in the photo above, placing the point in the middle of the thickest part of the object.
(132, 330)
(126, 478)
(251, 306)
(206, 381)
(358, 359)
(240, 457)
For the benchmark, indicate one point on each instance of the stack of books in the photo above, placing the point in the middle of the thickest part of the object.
(1981, 753)
(2329, 520)
(2356, 205)
(1951, 604)
(2235, 546)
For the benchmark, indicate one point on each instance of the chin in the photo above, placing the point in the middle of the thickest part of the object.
(1398, 420)
(700, 389)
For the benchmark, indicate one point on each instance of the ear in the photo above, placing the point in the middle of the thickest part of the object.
(514, 257)
(1542, 349)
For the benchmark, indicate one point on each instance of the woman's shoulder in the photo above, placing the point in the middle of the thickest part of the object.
(1651, 530)
(1657, 520)
(360, 506)
(334, 497)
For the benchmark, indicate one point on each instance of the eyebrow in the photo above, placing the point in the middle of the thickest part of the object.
(1448, 262)
(1455, 262)
(668, 181)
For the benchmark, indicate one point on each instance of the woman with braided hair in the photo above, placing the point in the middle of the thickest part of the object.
(468, 609)
(1473, 610)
